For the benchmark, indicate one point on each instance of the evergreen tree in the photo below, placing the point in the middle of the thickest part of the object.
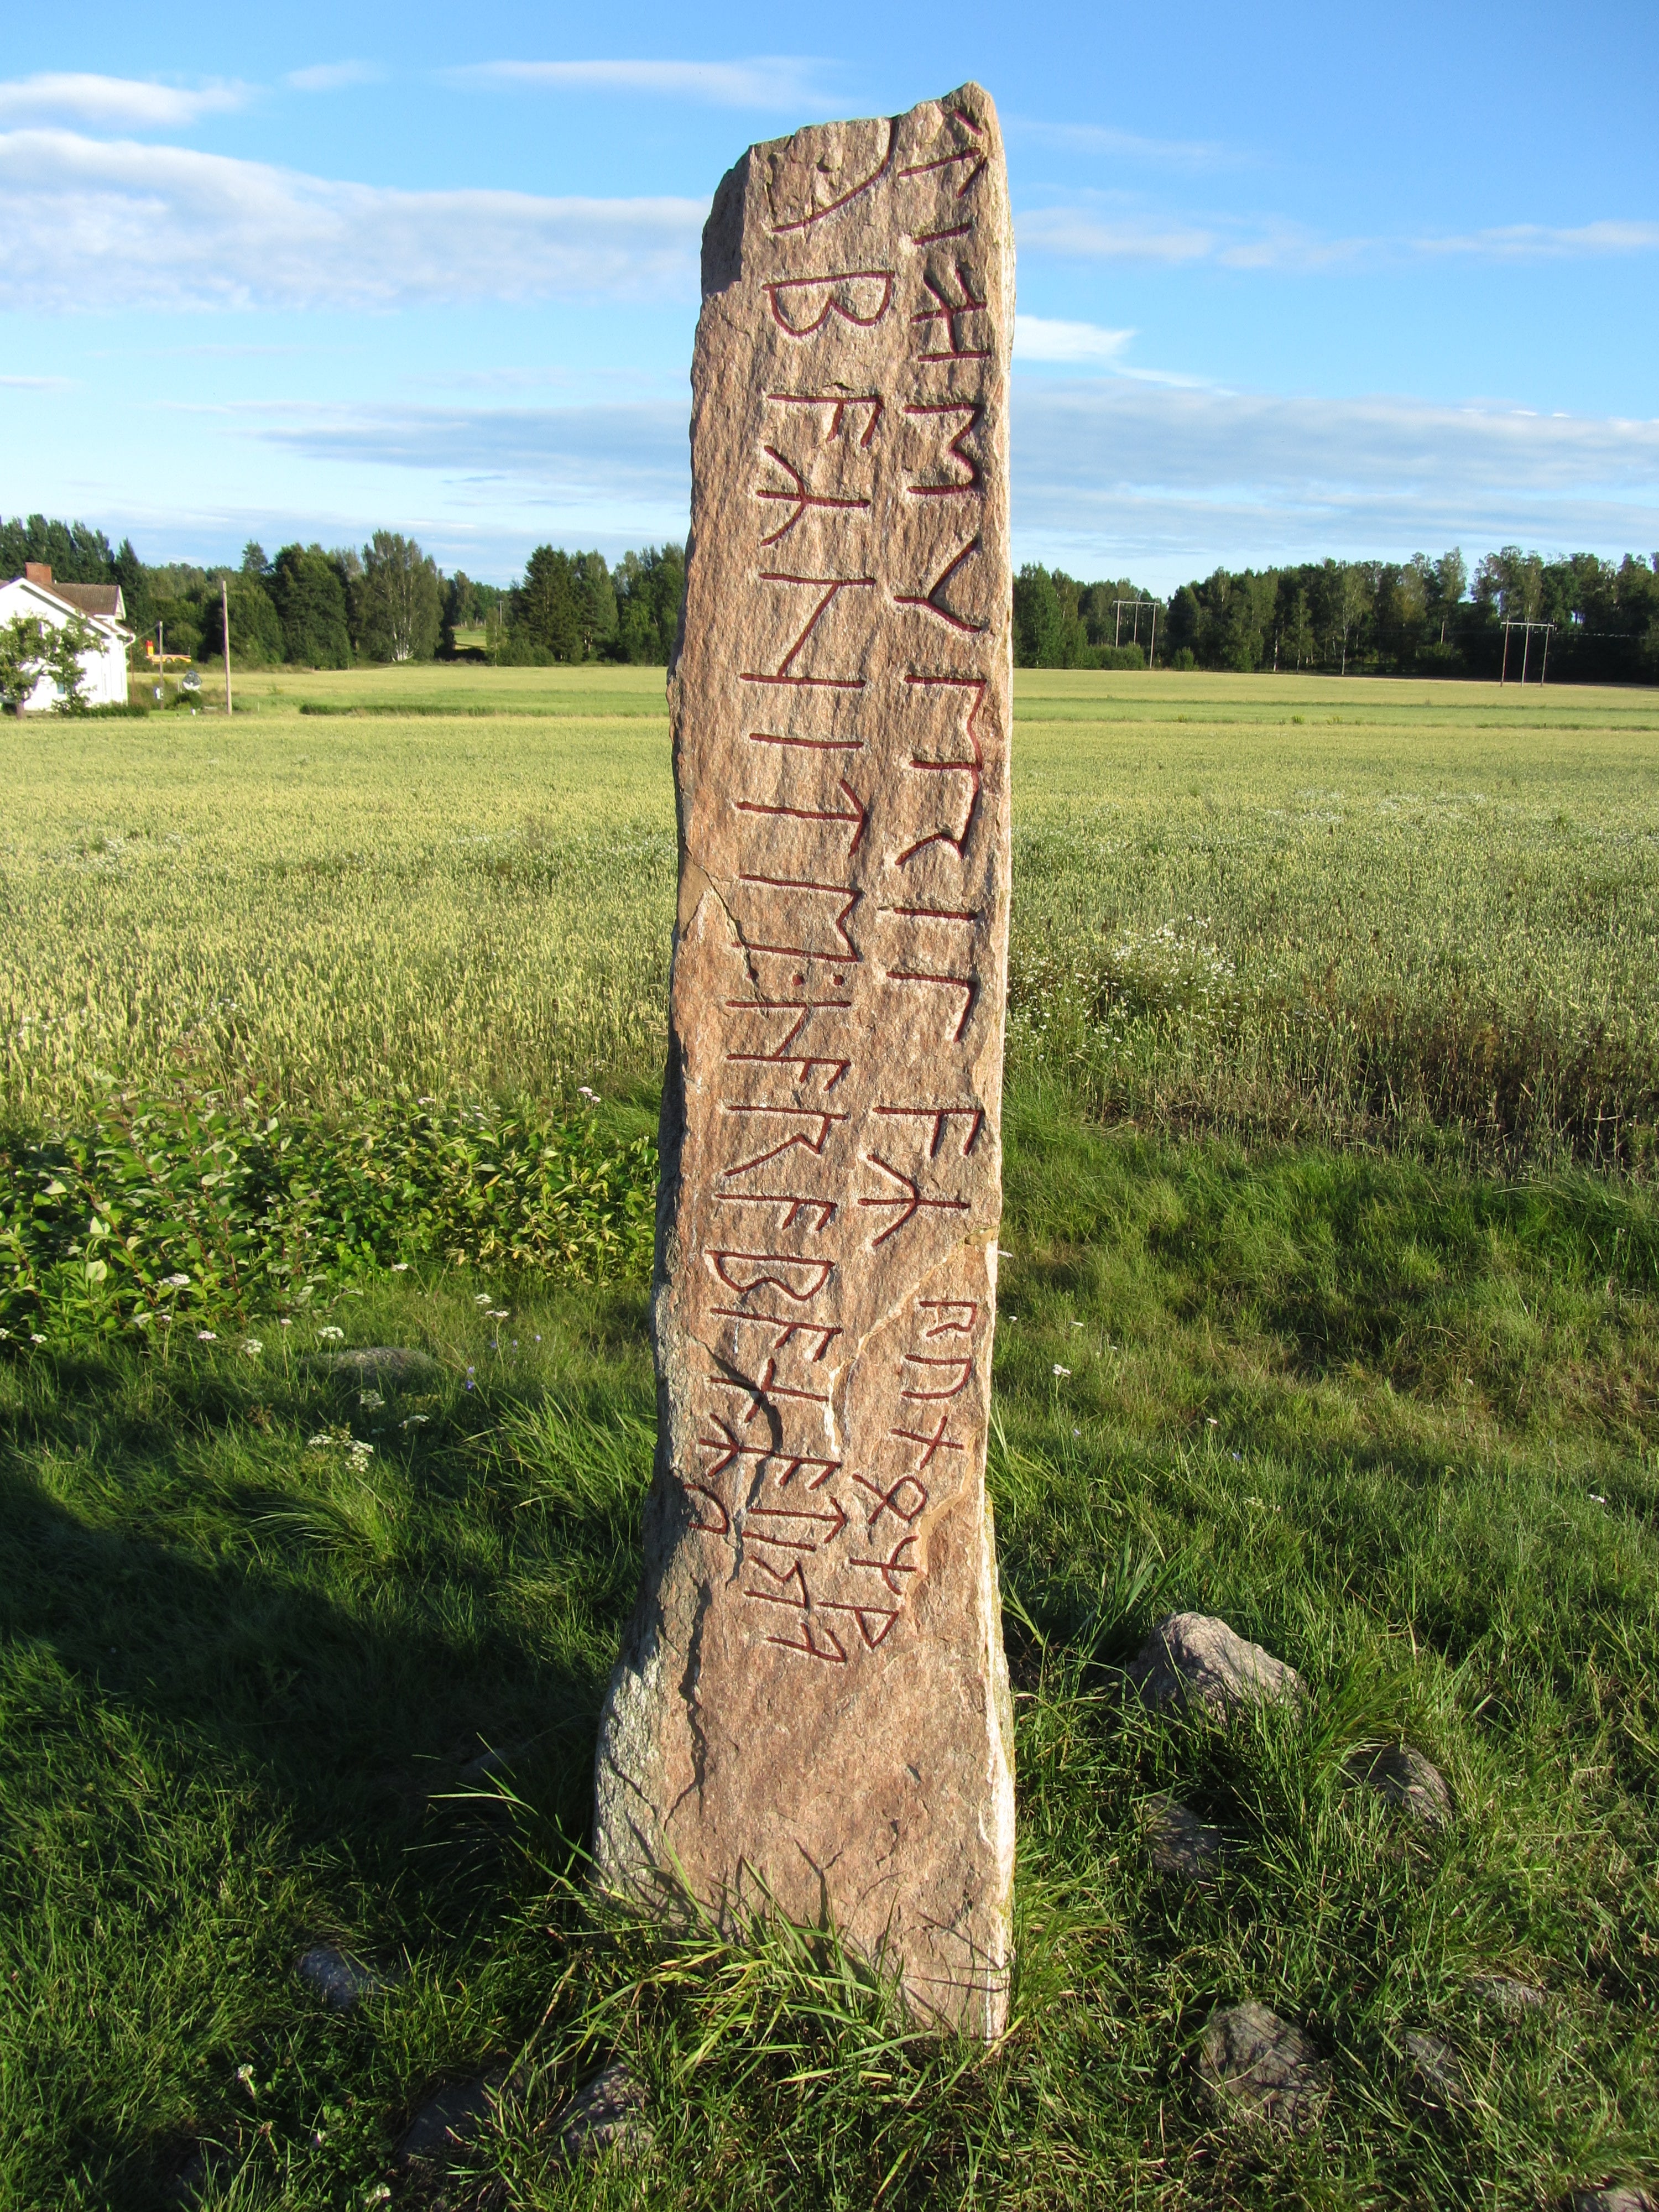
(309, 593)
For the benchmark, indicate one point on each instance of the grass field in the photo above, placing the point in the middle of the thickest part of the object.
(1330, 1122)
(1279, 905)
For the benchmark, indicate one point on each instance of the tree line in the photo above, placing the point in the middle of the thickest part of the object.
(387, 601)
(1424, 616)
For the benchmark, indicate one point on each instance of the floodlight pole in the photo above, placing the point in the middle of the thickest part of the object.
(224, 603)
(1503, 676)
(1526, 649)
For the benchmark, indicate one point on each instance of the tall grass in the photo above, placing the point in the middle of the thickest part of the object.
(1255, 904)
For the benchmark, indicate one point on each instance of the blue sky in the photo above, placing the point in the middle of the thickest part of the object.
(1291, 282)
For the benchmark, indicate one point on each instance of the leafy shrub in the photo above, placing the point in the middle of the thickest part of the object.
(165, 1210)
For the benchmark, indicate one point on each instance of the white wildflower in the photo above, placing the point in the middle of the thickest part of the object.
(415, 1421)
(207, 1336)
(330, 1333)
(34, 1339)
(400, 1266)
(252, 1347)
(178, 1282)
(370, 1400)
(1058, 1369)
(482, 1298)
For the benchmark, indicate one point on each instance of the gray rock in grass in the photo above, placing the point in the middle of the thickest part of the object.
(1616, 2197)
(1407, 1780)
(1436, 2070)
(492, 1759)
(1254, 2063)
(452, 2119)
(606, 2114)
(1193, 1659)
(1510, 1998)
(1180, 1843)
(344, 1982)
(383, 1364)
(205, 2174)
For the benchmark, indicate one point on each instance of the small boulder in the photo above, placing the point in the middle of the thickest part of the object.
(1192, 1658)
(343, 1982)
(492, 1759)
(1510, 1999)
(1408, 1780)
(380, 1366)
(1253, 2062)
(1436, 2070)
(1180, 1843)
(450, 2120)
(606, 2114)
(1616, 2197)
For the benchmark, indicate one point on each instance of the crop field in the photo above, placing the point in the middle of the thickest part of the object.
(1288, 905)
(1330, 1304)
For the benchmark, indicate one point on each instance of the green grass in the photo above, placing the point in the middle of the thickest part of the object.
(1387, 1405)
(243, 1671)
(1265, 906)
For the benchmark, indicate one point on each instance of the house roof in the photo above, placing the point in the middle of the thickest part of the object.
(91, 598)
(102, 602)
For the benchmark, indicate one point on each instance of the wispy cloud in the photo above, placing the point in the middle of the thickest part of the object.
(333, 76)
(114, 103)
(122, 225)
(1179, 480)
(1123, 145)
(1106, 472)
(1537, 241)
(1084, 234)
(1093, 231)
(1086, 345)
(611, 474)
(633, 453)
(1036, 338)
(766, 82)
(35, 384)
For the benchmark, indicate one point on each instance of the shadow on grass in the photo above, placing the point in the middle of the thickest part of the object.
(245, 1684)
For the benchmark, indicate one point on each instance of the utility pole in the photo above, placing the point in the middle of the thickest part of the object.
(1526, 629)
(1118, 606)
(224, 604)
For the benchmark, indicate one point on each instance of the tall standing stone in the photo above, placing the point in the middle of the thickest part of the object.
(811, 1704)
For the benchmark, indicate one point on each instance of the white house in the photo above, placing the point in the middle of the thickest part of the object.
(100, 606)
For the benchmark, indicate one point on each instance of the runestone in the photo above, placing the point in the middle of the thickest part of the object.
(810, 1713)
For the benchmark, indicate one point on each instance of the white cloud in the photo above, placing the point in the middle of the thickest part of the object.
(1087, 234)
(1115, 472)
(35, 384)
(769, 80)
(1102, 229)
(1036, 338)
(632, 456)
(333, 76)
(1536, 241)
(1108, 476)
(90, 224)
(1123, 145)
(112, 103)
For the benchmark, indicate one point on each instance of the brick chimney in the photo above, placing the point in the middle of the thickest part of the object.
(37, 572)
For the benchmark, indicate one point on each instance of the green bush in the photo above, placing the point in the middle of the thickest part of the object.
(166, 1210)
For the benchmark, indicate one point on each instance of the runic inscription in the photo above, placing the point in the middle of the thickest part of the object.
(810, 1705)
